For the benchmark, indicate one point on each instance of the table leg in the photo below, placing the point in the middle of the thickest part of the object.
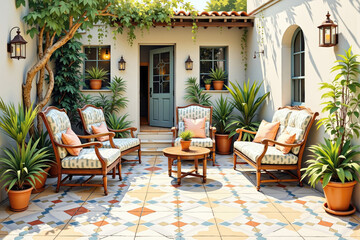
(196, 161)
(204, 169)
(178, 170)
(169, 166)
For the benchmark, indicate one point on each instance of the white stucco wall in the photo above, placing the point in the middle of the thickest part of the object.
(13, 71)
(181, 39)
(279, 23)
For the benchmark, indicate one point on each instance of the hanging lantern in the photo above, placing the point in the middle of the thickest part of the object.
(189, 64)
(17, 46)
(122, 64)
(328, 36)
(106, 55)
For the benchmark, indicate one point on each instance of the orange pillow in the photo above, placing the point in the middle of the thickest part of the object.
(101, 129)
(267, 130)
(197, 126)
(287, 138)
(70, 138)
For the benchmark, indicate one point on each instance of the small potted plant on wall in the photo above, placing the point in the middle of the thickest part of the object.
(185, 141)
(333, 163)
(222, 121)
(217, 76)
(96, 76)
(207, 83)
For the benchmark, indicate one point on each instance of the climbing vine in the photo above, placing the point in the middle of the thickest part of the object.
(260, 28)
(243, 45)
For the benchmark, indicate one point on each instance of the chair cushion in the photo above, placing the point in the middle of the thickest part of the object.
(194, 112)
(196, 126)
(88, 159)
(197, 142)
(100, 129)
(273, 156)
(93, 117)
(267, 130)
(123, 143)
(281, 116)
(70, 138)
(58, 122)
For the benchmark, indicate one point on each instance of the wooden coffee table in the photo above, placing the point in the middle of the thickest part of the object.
(195, 153)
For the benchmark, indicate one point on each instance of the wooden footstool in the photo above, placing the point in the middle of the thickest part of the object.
(195, 153)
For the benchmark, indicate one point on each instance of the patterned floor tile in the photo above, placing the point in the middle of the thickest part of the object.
(117, 223)
(197, 224)
(158, 224)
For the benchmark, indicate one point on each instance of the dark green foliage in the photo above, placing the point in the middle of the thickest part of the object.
(226, 5)
(115, 122)
(222, 115)
(44, 143)
(68, 80)
(194, 94)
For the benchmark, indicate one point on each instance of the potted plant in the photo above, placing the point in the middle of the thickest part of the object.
(19, 166)
(222, 119)
(96, 76)
(333, 163)
(185, 141)
(217, 76)
(207, 83)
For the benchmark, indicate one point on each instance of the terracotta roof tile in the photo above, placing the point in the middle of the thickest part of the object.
(213, 13)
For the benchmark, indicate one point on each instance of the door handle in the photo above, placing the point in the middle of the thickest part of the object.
(150, 92)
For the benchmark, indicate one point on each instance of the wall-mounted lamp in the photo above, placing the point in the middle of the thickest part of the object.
(257, 54)
(328, 36)
(122, 64)
(17, 46)
(188, 64)
(106, 55)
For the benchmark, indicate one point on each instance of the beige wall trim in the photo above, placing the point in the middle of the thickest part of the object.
(264, 6)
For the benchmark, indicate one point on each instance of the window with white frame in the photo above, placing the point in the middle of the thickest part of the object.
(100, 57)
(211, 58)
(298, 68)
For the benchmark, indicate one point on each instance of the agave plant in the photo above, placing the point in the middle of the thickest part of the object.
(245, 100)
(217, 74)
(117, 123)
(96, 73)
(194, 94)
(16, 124)
(23, 165)
(43, 142)
(329, 164)
(222, 115)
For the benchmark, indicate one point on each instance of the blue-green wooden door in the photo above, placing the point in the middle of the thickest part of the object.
(161, 87)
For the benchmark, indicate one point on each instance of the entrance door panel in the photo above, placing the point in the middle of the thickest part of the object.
(161, 87)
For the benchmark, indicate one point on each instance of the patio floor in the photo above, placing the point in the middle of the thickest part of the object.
(145, 205)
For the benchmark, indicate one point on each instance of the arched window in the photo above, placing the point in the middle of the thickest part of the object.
(298, 68)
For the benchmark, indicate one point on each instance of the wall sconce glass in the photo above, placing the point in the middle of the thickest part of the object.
(122, 64)
(257, 54)
(106, 55)
(328, 36)
(17, 46)
(188, 64)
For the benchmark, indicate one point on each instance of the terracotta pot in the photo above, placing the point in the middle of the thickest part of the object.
(185, 145)
(19, 199)
(95, 84)
(40, 183)
(207, 86)
(338, 195)
(53, 171)
(223, 143)
(218, 85)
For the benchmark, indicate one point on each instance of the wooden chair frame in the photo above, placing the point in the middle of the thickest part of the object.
(212, 129)
(104, 170)
(131, 129)
(285, 167)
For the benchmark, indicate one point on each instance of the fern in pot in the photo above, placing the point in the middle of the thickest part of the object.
(185, 141)
(334, 163)
(96, 76)
(217, 76)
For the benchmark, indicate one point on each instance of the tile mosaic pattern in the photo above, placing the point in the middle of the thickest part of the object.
(147, 204)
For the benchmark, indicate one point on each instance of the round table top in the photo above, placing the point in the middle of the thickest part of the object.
(194, 151)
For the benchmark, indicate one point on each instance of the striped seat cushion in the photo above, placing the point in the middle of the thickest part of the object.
(123, 143)
(197, 142)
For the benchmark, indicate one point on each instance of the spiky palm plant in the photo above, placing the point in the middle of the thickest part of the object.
(245, 99)
(118, 123)
(194, 94)
(222, 114)
(217, 74)
(96, 73)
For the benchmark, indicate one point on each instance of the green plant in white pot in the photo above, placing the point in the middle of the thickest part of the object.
(333, 163)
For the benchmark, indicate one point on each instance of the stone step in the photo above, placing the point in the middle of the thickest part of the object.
(156, 143)
(155, 135)
(146, 151)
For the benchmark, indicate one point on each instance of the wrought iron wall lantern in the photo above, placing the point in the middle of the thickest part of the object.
(188, 64)
(257, 54)
(328, 35)
(122, 64)
(17, 46)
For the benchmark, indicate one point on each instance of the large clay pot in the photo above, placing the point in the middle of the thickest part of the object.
(53, 170)
(223, 144)
(95, 84)
(19, 199)
(185, 145)
(218, 85)
(40, 182)
(207, 86)
(338, 195)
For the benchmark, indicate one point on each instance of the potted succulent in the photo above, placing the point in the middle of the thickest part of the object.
(185, 141)
(222, 121)
(96, 76)
(217, 76)
(333, 163)
(207, 83)
(20, 167)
